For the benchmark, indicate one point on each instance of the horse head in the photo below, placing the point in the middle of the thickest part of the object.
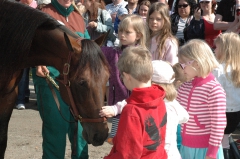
(82, 86)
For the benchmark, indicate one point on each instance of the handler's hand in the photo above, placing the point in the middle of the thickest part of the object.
(41, 70)
(106, 111)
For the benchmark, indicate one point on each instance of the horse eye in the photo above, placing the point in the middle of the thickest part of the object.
(82, 82)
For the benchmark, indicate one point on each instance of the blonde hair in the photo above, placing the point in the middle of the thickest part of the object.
(199, 51)
(229, 47)
(136, 61)
(138, 25)
(166, 31)
(170, 90)
(179, 75)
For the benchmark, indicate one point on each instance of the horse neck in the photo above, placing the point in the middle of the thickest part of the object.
(48, 48)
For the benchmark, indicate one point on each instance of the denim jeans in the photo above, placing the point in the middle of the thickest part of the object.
(23, 87)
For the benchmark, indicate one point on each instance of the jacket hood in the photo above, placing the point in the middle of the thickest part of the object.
(146, 97)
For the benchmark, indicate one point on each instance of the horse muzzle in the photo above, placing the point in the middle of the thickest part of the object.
(95, 134)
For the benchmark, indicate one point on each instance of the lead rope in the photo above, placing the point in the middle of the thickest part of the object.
(50, 81)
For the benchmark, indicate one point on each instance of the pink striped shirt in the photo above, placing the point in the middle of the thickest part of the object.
(205, 101)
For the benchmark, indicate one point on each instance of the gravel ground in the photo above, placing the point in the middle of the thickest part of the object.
(25, 139)
(24, 135)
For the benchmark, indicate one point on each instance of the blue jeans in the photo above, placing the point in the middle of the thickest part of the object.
(23, 87)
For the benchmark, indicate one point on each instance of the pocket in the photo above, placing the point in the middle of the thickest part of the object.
(201, 126)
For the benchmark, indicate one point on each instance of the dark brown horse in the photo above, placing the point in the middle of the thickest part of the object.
(30, 38)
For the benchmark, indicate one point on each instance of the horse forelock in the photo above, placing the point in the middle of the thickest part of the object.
(18, 23)
(92, 59)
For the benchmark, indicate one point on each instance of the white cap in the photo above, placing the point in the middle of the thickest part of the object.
(162, 72)
(205, 0)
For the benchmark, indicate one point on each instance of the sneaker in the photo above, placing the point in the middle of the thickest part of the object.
(20, 106)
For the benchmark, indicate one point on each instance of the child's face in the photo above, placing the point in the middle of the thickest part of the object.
(143, 10)
(129, 36)
(190, 68)
(156, 22)
(217, 51)
(179, 72)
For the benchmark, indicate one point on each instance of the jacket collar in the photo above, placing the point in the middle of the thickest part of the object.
(199, 81)
(147, 97)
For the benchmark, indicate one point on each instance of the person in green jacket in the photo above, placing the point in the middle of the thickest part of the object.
(55, 128)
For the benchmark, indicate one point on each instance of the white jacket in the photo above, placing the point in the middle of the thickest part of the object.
(176, 114)
(232, 93)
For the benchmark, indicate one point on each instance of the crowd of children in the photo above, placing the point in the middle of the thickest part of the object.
(166, 101)
(190, 84)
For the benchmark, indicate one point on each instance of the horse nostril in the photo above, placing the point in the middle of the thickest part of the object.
(98, 139)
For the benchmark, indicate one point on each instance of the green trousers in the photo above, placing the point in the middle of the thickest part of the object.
(55, 129)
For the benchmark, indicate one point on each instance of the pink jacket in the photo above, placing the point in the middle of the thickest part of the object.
(169, 53)
(205, 101)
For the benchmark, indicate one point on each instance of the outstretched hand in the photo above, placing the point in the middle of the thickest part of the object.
(106, 111)
(41, 71)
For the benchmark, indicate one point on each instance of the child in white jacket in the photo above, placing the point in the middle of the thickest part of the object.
(163, 75)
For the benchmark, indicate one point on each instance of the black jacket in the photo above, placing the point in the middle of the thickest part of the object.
(195, 30)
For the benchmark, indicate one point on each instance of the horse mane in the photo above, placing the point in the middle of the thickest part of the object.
(91, 54)
(18, 23)
(92, 58)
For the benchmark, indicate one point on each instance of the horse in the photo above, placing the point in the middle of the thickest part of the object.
(29, 38)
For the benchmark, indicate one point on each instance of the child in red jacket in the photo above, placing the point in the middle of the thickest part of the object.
(142, 125)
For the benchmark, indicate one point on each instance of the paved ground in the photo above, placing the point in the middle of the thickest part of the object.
(24, 137)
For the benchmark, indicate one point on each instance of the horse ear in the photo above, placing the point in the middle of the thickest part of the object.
(69, 45)
(102, 39)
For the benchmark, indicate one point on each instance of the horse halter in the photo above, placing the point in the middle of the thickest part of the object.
(66, 83)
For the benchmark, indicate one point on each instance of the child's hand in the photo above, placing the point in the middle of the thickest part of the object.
(106, 111)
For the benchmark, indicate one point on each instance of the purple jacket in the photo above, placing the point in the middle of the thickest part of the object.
(117, 90)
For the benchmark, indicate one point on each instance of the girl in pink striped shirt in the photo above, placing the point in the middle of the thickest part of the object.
(205, 100)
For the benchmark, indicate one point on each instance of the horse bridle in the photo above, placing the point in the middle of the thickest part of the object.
(66, 83)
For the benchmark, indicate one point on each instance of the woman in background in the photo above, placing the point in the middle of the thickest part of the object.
(201, 26)
(180, 19)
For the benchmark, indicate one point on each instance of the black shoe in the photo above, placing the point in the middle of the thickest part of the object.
(26, 99)
(228, 154)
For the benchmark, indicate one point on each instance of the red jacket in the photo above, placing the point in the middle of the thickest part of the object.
(142, 126)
